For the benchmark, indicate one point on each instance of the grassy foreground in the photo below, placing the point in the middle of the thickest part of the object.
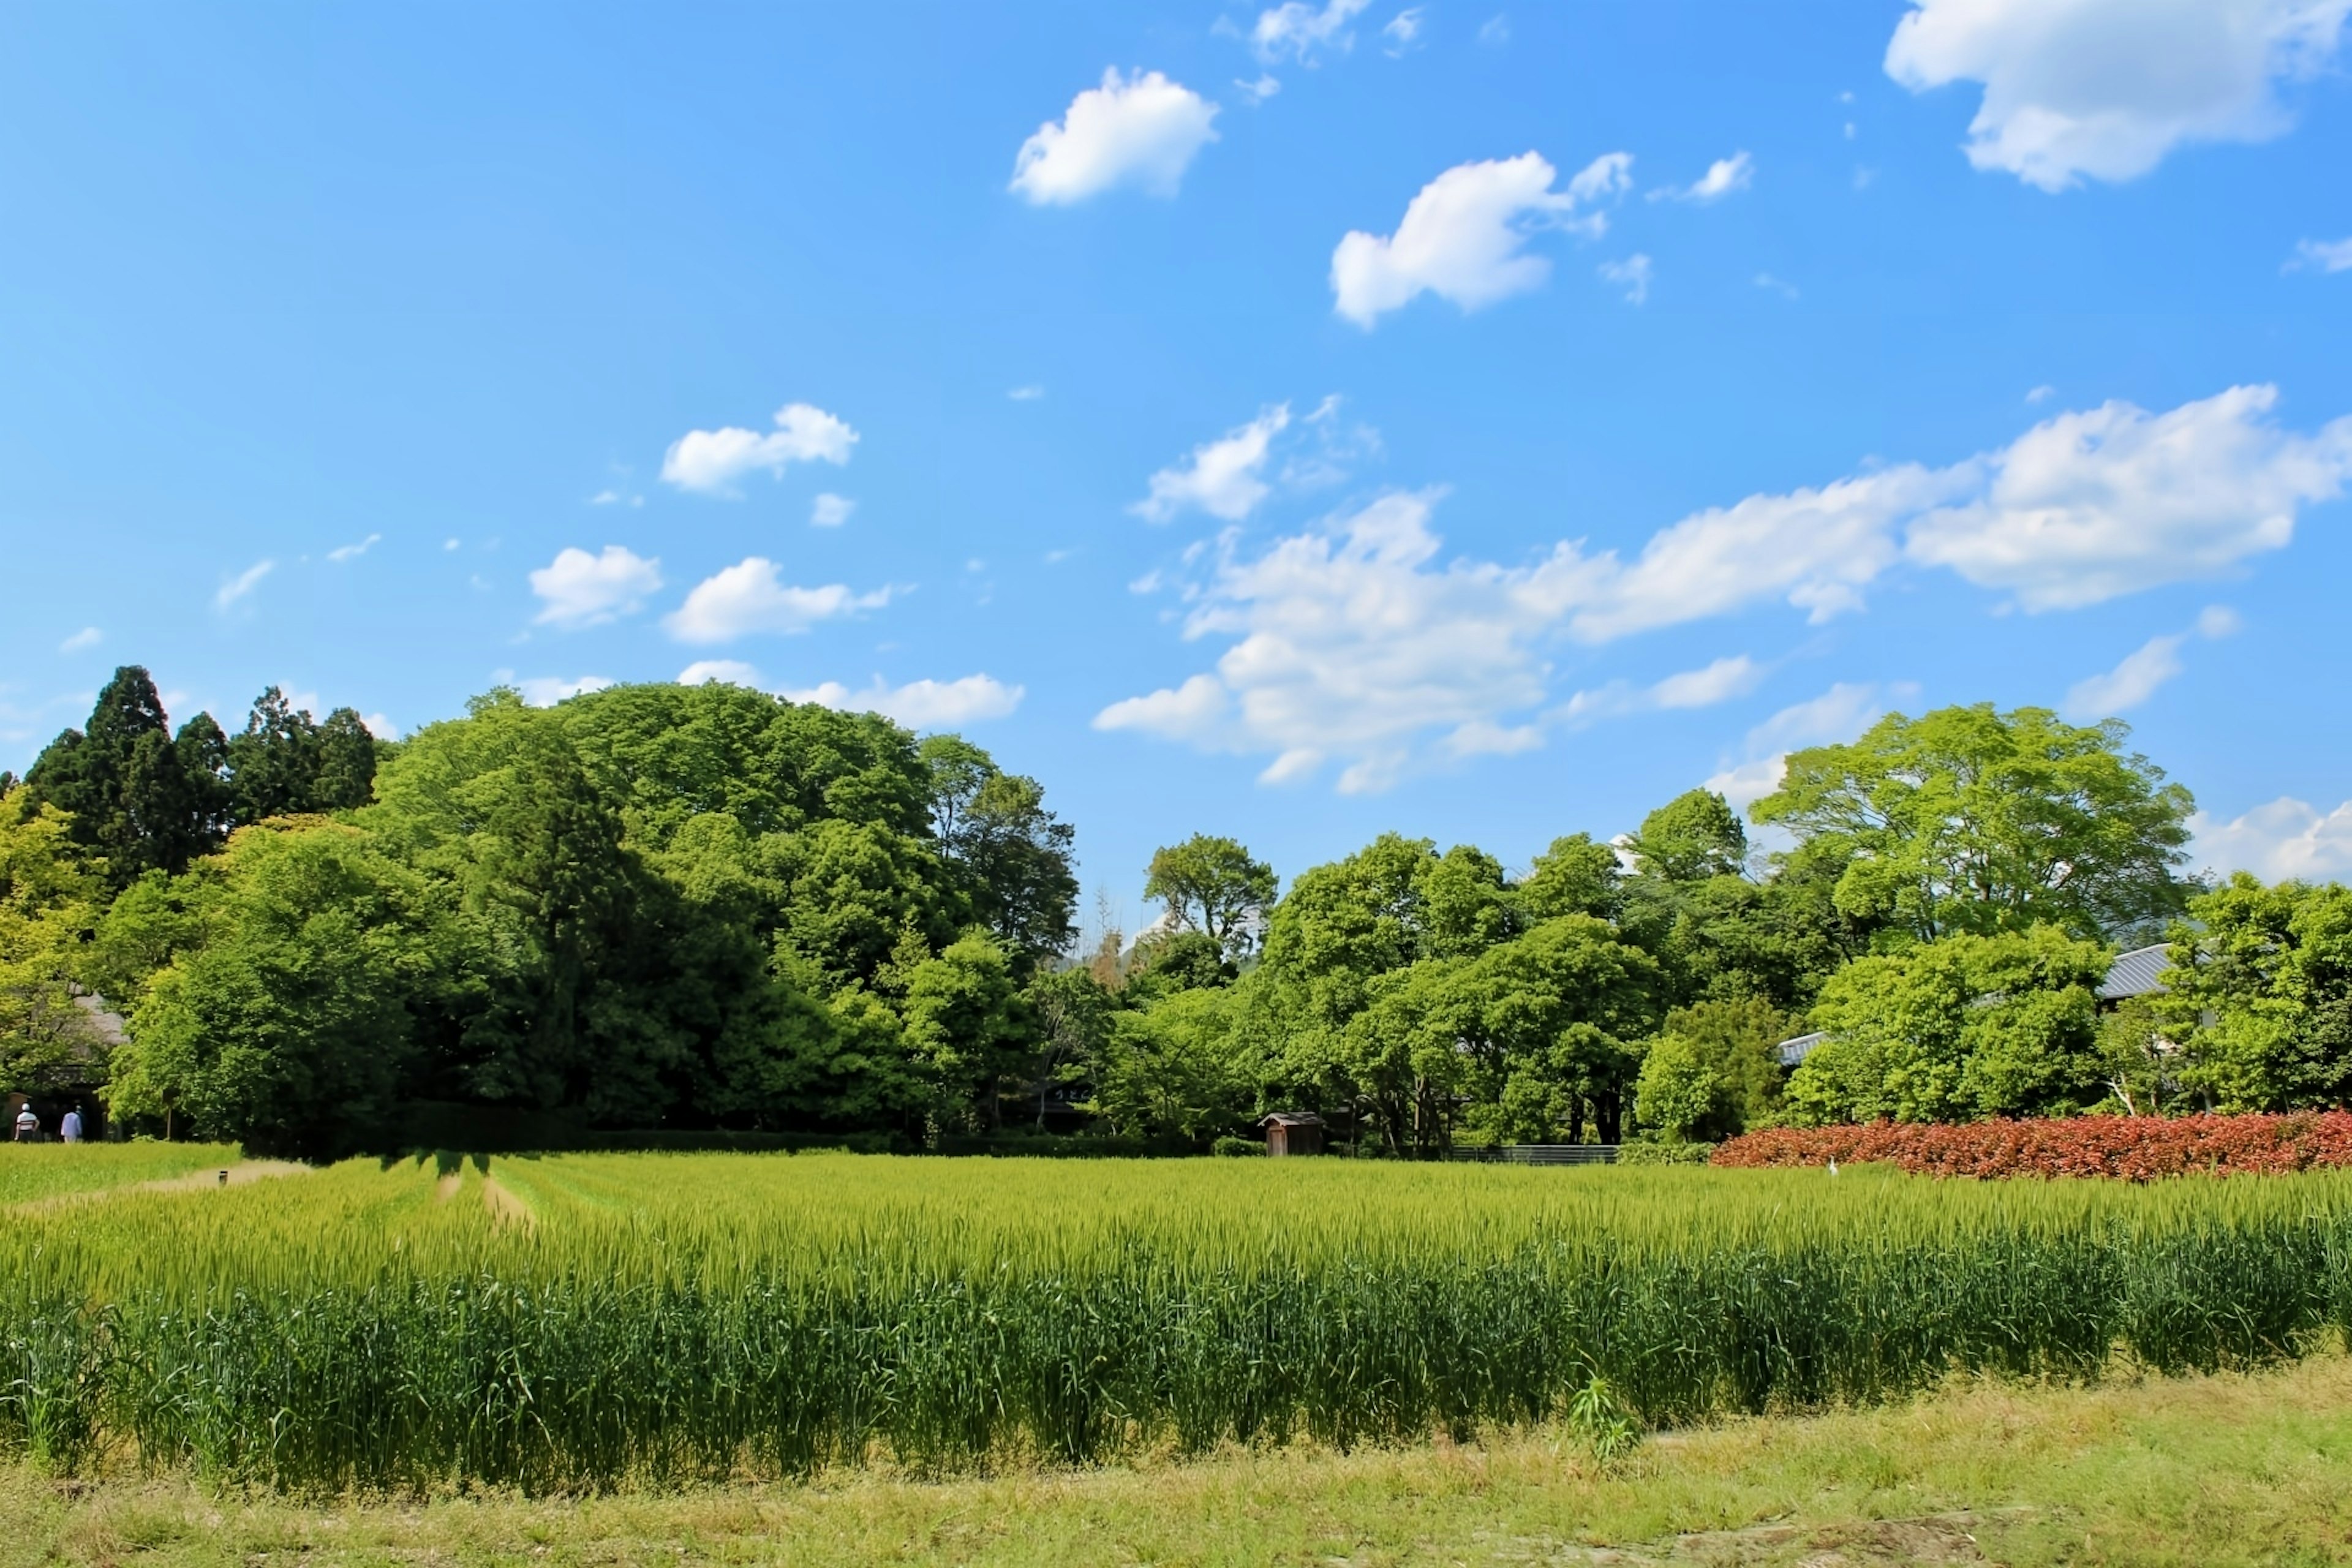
(2222, 1470)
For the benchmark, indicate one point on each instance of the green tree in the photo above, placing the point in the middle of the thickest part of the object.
(1574, 877)
(347, 762)
(1171, 1074)
(1677, 1093)
(965, 1022)
(1211, 885)
(287, 1024)
(122, 783)
(1958, 1030)
(1970, 820)
(273, 763)
(2261, 996)
(48, 903)
(1694, 835)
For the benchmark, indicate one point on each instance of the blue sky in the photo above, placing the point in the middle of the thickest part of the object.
(1482, 422)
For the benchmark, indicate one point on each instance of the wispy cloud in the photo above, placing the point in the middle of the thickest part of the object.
(89, 636)
(353, 552)
(242, 585)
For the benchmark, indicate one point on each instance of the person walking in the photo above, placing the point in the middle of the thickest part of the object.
(28, 1126)
(70, 1129)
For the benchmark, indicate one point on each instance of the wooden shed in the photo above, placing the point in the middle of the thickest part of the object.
(1293, 1132)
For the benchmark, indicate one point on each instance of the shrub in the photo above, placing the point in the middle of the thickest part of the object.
(2135, 1148)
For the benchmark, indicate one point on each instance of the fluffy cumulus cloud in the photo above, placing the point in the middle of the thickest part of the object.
(577, 589)
(1464, 237)
(830, 510)
(724, 671)
(1302, 32)
(752, 596)
(920, 704)
(547, 691)
(1354, 642)
(1140, 131)
(1222, 478)
(1633, 275)
(2288, 837)
(2105, 89)
(712, 462)
(2093, 505)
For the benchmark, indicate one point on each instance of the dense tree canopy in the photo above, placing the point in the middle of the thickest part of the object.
(679, 908)
(1970, 820)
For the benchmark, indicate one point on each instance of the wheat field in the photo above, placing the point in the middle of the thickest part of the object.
(588, 1323)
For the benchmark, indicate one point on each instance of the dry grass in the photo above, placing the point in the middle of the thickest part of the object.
(2206, 1471)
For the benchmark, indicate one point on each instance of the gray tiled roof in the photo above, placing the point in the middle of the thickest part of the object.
(2135, 973)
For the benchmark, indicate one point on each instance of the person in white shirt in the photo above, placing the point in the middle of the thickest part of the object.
(70, 1128)
(28, 1126)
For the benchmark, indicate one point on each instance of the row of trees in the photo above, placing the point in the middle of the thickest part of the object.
(659, 906)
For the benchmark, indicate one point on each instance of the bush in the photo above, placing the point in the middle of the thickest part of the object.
(1237, 1146)
(1664, 1153)
(2135, 1148)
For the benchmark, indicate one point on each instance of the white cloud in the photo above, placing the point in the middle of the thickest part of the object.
(2142, 670)
(235, 588)
(2286, 839)
(1633, 275)
(1192, 712)
(1723, 177)
(1495, 31)
(2130, 683)
(729, 671)
(1403, 32)
(2093, 505)
(2042, 394)
(712, 461)
(1257, 92)
(577, 589)
(351, 551)
(1222, 478)
(1029, 394)
(1139, 131)
(380, 726)
(448, 544)
(752, 596)
(615, 498)
(830, 510)
(1836, 716)
(2107, 88)
(547, 691)
(1786, 290)
(2322, 255)
(89, 636)
(1352, 641)
(1302, 31)
(1462, 237)
(922, 704)
(1717, 682)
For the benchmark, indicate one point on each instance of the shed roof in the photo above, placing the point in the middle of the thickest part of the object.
(1291, 1118)
(2135, 973)
(1797, 1050)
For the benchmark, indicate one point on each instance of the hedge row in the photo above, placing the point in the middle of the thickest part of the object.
(2135, 1148)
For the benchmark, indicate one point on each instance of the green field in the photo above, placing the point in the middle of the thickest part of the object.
(587, 1322)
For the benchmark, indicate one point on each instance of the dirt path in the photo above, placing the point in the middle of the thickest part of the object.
(243, 1172)
(504, 1205)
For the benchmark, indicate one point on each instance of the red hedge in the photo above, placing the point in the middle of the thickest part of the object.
(2137, 1148)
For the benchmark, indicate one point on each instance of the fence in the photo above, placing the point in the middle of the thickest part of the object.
(1537, 1153)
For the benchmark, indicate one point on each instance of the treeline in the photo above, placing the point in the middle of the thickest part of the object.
(707, 908)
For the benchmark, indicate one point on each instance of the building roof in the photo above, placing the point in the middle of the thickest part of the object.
(2132, 975)
(2135, 973)
(1797, 1050)
(1291, 1118)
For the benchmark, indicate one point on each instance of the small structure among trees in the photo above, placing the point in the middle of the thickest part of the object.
(1293, 1132)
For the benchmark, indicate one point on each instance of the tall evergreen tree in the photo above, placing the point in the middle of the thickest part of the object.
(273, 766)
(346, 778)
(122, 782)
